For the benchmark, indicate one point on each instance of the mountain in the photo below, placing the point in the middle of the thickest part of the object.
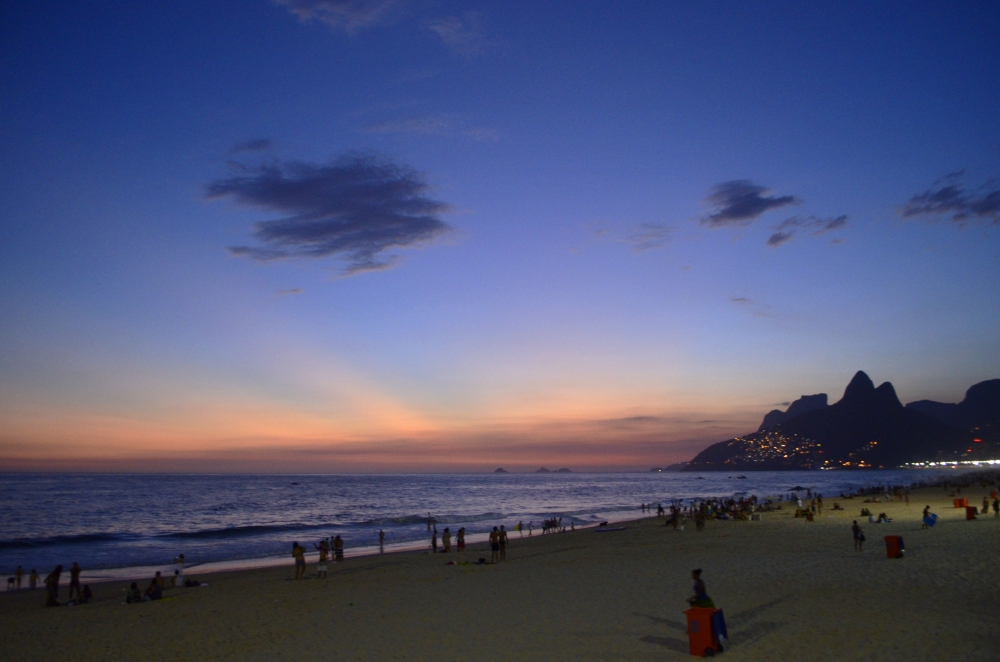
(868, 427)
(978, 413)
(500, 470)
(800, 406)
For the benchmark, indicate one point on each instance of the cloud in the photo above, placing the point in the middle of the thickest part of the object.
(740, 202)
(425, 126)
(346, 15)
(785, 230)
(464, 36)
(292, 290)
(756, 308)
(948, 197)
(649, 235)
(430, 126)
(259, 145)
(355, 208)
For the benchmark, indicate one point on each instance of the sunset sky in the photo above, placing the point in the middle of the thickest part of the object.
(419, 235)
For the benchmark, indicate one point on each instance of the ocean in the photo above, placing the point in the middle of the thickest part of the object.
(120, 526)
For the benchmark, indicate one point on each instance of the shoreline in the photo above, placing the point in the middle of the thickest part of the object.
(789, 589)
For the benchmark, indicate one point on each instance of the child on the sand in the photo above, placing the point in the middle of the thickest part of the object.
(324, 555)
(700, 597)
(299, 553)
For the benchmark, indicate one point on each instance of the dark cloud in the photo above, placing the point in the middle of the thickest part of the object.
(785, 230)
(346, 15)
(740, 202)
(355, 208)
(259, 145)
(778, 238)
(948, 198)
(649, 235)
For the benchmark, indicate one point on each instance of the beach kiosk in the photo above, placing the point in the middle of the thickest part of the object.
(706, 626)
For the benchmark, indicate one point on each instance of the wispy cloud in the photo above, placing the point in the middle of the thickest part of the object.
(787, 229)
(741, 201)
(649, 235)
(258, 145)
(434, 126)
(948, 198)
(346, 15)
(291, 290)
(355, 208)
(462, 34)
(754, 307)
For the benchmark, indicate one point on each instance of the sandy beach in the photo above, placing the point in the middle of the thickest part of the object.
(791, 590)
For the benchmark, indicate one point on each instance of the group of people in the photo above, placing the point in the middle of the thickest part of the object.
(332, 546)
(446, 540)
(78, 593)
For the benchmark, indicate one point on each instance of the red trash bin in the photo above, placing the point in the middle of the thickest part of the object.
(703, 640)
(970, 512)
(961, 503)
(894, 547)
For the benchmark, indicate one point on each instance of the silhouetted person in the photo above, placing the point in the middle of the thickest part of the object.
(495, 545)
(52, 587)
(74, 581)
(700, 597)
(859, 537)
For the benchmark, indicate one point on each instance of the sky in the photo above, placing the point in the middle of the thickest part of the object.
(420, 235)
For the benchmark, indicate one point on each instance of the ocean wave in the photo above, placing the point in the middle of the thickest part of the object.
(244, 531)
(51, 541)
(438, 519)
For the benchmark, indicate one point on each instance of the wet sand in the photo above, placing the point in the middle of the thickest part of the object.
(791, 590)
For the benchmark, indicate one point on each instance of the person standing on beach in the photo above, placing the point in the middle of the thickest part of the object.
(324, 556)
(74, 581)
(531, 524)
(434, 541)
(996, 507)
(179, 562)
(381, 541)
(18, 576)
(33, 579)
(859, 537)
(446, 541)
(52, 587)
(520, 528)
(299, 554)
(338, 548)
(461, 540)
(495, 545)
(503, 543)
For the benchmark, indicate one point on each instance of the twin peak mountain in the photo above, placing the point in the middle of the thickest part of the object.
(868, 428)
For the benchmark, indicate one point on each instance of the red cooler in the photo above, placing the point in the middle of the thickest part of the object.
(894, 547)
(970, 512)
(961, 503)
(702, 637)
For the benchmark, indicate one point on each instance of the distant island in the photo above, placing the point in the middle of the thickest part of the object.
(543, 470)
(500, 470)
(868, 428)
